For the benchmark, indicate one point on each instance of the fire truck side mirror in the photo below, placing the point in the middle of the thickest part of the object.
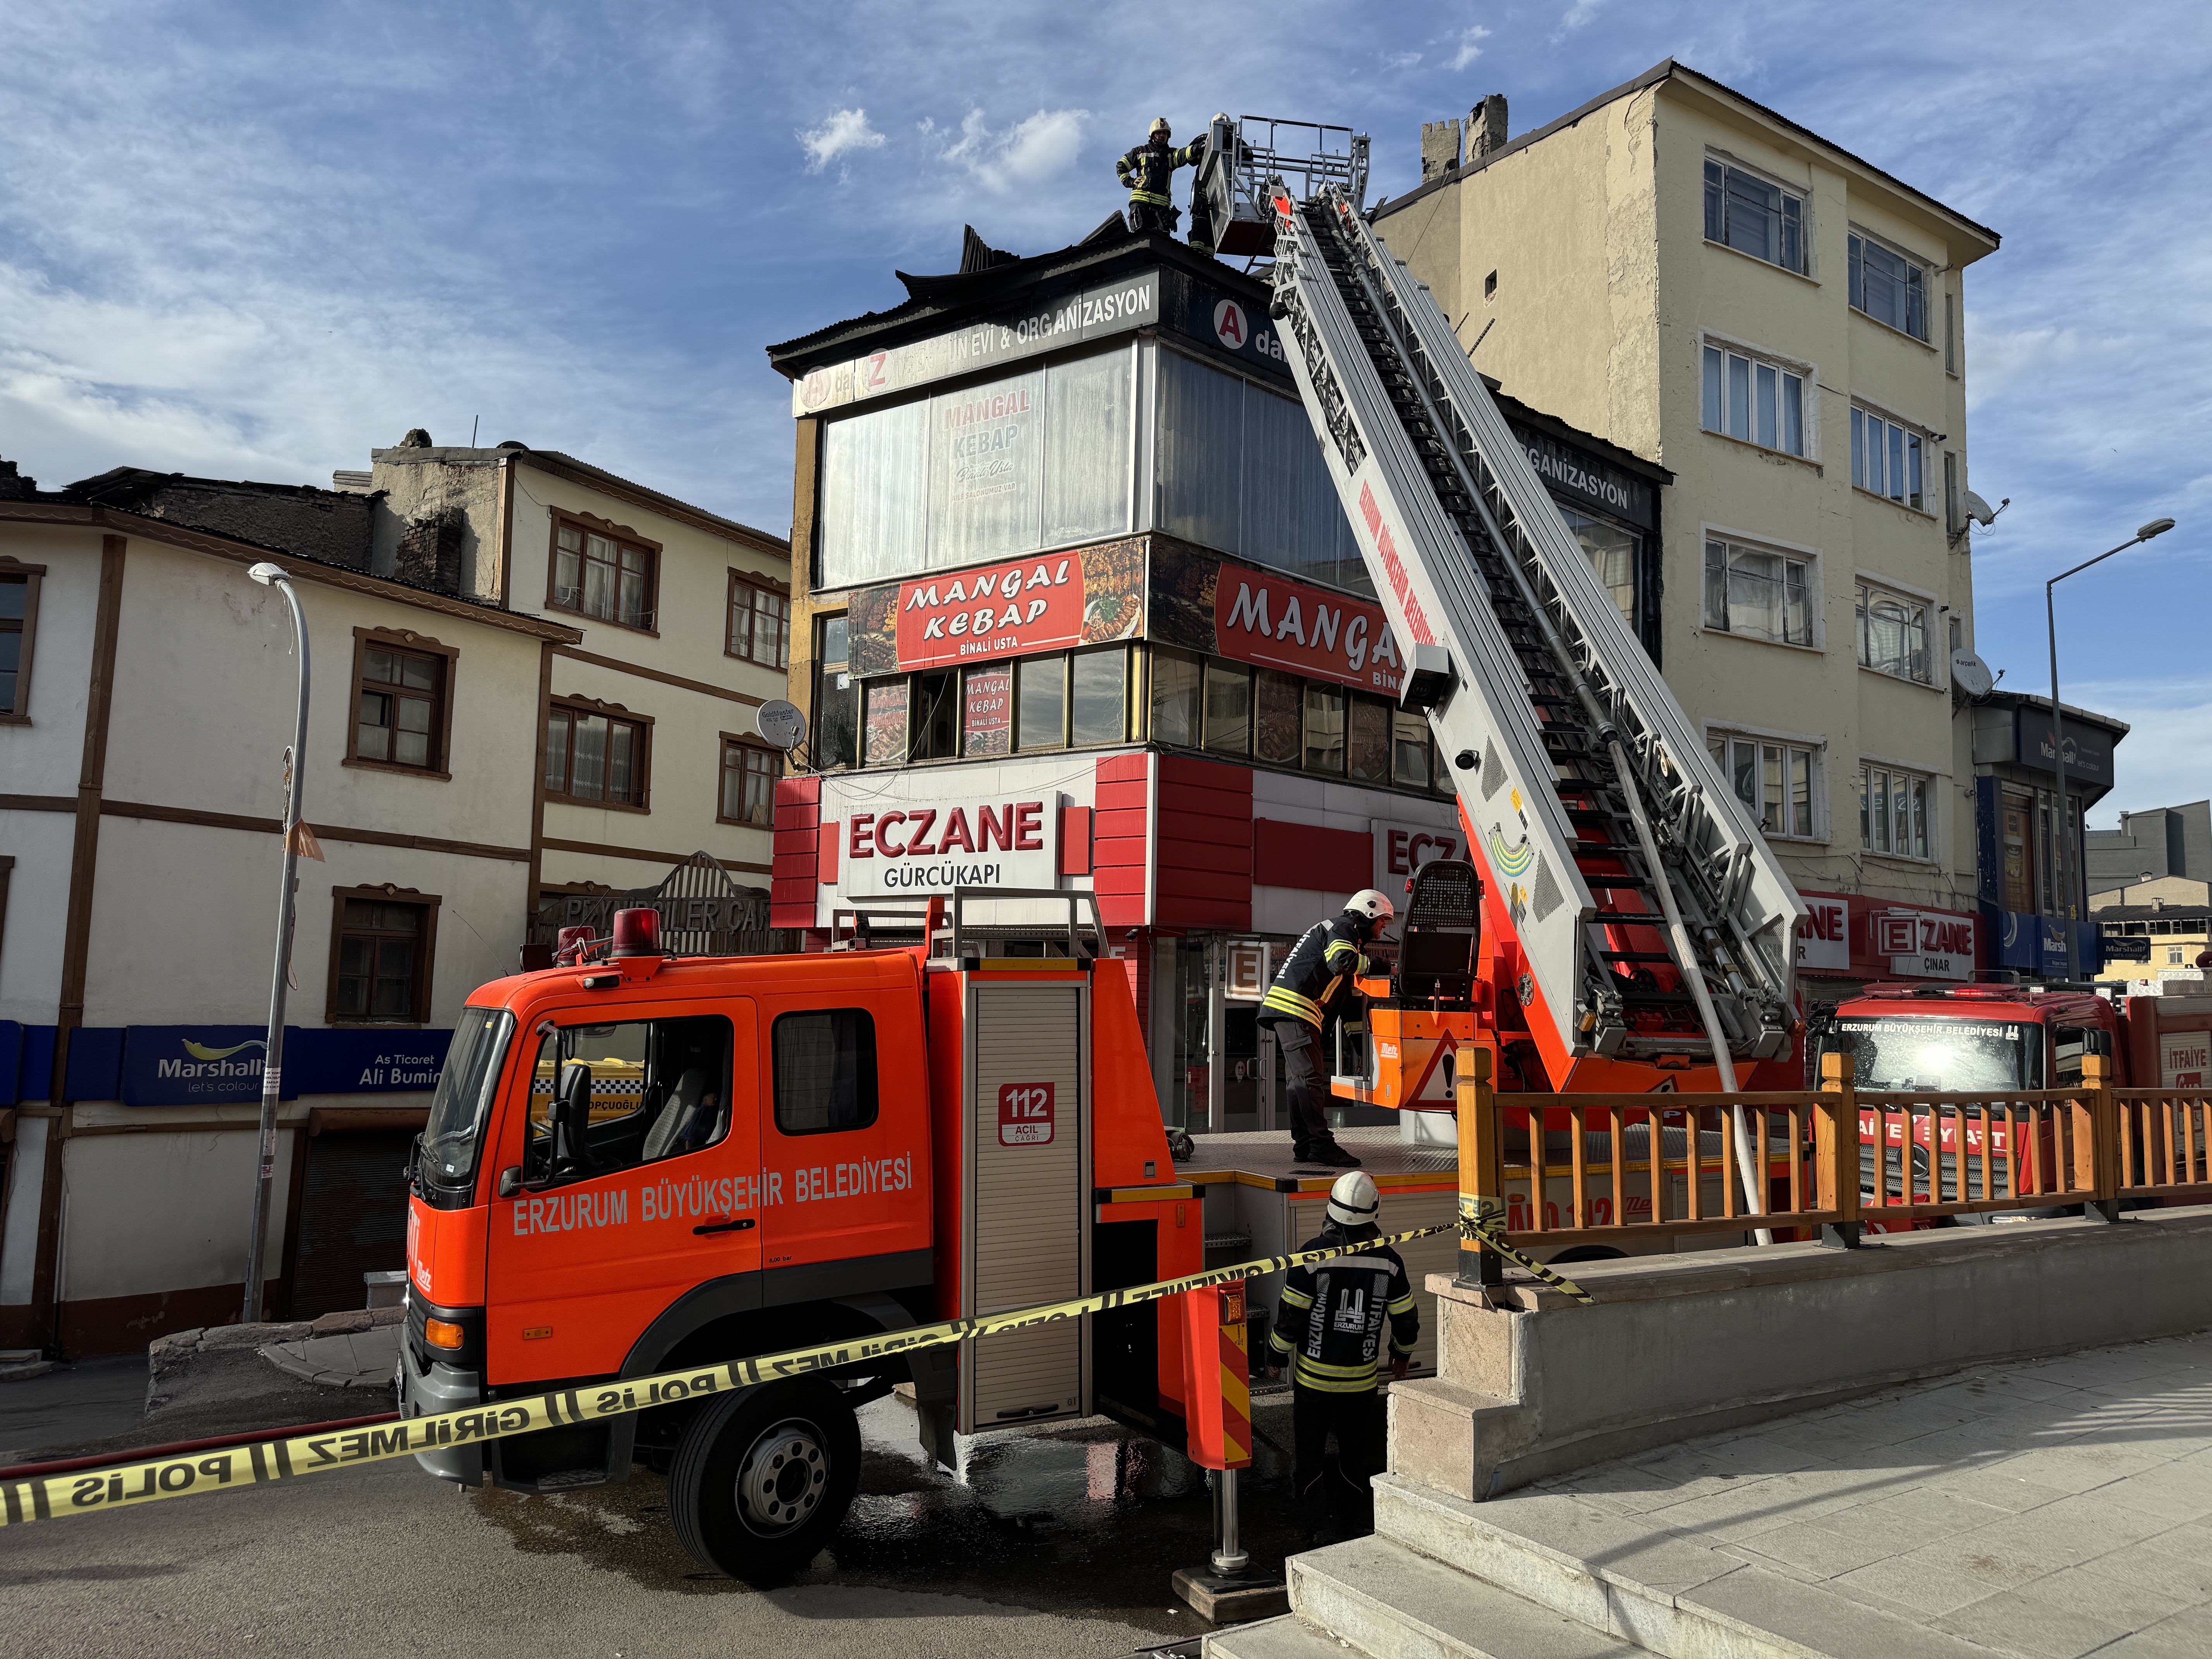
(510, 1181)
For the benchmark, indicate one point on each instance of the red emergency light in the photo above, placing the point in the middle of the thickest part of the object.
(636, 933)
(574, 944)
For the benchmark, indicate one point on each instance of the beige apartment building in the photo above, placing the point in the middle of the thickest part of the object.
(1708, 285)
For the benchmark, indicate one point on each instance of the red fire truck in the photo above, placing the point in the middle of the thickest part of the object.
(1997, 1036)
(641, 1162)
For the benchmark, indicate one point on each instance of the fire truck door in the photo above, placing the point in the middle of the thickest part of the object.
(637, 1143)
(844, 1140)
(1026, 1123)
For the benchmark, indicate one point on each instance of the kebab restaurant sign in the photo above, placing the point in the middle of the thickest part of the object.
(889, 849)
(1273, 622)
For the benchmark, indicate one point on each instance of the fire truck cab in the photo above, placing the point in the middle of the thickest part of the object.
(637, 1163)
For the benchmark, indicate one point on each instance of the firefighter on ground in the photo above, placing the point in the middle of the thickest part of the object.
(1310, 996)
(1149, 172)
(1329, 1330)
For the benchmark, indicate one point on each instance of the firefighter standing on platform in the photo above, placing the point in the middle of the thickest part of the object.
(1149, 172)
(1329, 1327)
(1310, 995)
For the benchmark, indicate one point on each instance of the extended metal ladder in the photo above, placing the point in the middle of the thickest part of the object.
(1649, 915)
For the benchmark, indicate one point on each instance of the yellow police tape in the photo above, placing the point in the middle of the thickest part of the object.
(1482, 1221)
(86, 1491)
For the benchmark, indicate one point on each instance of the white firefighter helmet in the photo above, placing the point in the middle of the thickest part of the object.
(1353, 1201)
(1160, 128)
(1375, 907)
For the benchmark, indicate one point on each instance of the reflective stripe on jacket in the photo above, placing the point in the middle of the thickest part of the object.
(1331, 1316)
(1149, 170)
(1317, 974)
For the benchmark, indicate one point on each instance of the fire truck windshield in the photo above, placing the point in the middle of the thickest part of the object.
(1939, 1055)
(455, 1132)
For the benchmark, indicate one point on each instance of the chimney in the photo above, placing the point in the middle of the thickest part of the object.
(1485, 128)
(1439, 149)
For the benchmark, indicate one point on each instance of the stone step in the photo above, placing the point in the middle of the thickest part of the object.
(1285, 1638)
(1395, 1603)
(1666, 1592)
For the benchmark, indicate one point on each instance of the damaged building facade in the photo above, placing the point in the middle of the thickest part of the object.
(1079, 609)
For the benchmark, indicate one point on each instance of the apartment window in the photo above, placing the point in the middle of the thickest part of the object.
(2173, 956)
(598, 572)
(1888, 286)
(936, 719)
(1412, 757)
(1893, 632)
(1367, 741)
(1228, 706)
(1950, 332)
(760, 623)
(1886, 459)
(1762, 403)
(1759, 594)
(1894, 810)
(1746, 213)
(19, 627)
(1277, 716)
(1175, 680)
(1773, 779)
(381, 942)
(1040, 701)
(884, 728)
(598, 753)
(1324, 728)
(403, 710)
(836, 699)
(1098, 702)
(748, 776)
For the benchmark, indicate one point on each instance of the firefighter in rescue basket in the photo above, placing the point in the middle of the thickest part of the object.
(1330, 1328)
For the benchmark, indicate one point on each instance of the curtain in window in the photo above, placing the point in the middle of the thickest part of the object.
(1088, 447)
(872, 495)
(1200, 454)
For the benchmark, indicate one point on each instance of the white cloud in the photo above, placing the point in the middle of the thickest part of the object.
(1030, 153)
(1576, 16)
(846, 130)
(1470, 46)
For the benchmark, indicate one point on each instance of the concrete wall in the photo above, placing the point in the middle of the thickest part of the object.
(1679, 1347)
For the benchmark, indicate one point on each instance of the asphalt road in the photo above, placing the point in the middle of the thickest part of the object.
(1051, 1543)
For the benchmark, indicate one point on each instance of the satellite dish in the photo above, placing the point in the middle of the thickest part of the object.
(781, 724)
(1981, 511)
(1968, 672)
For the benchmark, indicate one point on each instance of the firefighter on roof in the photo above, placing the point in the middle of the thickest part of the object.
(1329, 1327)
(1149, 172)
(1311, 993)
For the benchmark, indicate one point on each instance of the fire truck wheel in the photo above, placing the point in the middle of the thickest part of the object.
(764, 1478)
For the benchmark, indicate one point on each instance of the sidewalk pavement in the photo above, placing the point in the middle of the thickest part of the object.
(2047, 1508)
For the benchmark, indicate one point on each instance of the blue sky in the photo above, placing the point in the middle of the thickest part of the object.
(256, 241)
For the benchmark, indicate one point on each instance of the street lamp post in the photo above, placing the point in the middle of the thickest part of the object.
(2058, 836)
(272, 1067)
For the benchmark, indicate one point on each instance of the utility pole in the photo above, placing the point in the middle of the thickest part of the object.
(272, 1067)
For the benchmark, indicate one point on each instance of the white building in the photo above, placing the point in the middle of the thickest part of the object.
(479, 621)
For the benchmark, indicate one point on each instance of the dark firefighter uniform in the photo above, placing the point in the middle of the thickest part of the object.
(1331, 1319)
(1149, 172)
(1312, 992)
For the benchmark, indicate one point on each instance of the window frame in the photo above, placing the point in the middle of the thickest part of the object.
(641, 764)
(751, 745)
(756, 584)
(1815, 603)
(1785, 369)
(1865, 589)
(1915, 439)
(591, 524)
(1815, 751)
(1790, 193)
(1858, 238)
(18, 713)
(1931, 794)
(775, 1075)
(421, 645)
(388, 893)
